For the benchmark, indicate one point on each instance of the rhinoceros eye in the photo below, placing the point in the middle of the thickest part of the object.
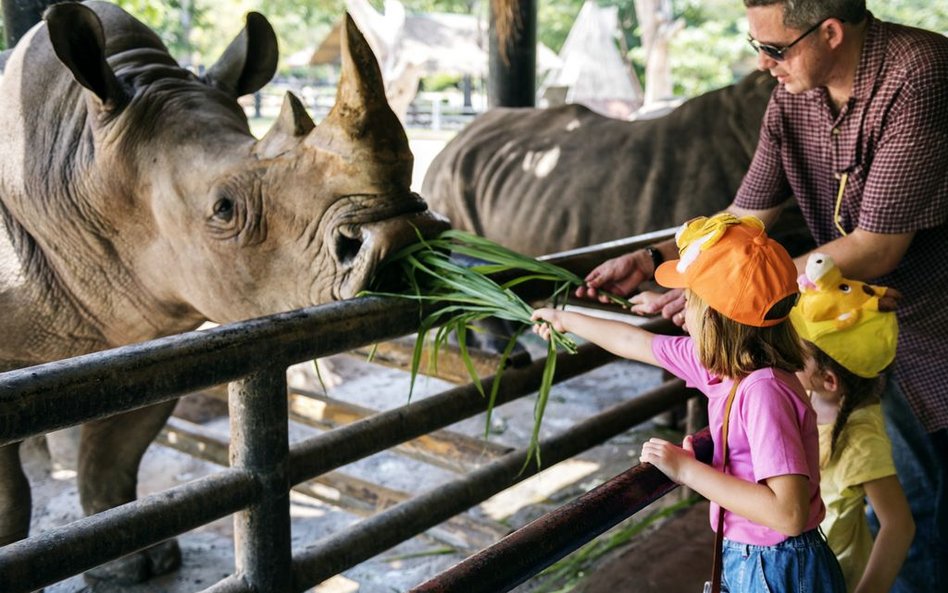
(845, 288)
(224, 209)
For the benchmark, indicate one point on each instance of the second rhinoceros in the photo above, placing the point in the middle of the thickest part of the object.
(547, 180)
(135, 203)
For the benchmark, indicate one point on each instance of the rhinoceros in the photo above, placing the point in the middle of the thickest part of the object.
(136, 204)
(546, 180)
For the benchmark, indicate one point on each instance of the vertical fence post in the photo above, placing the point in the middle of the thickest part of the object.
(260, 443)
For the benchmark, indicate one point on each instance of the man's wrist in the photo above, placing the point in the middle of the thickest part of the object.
(657, 257)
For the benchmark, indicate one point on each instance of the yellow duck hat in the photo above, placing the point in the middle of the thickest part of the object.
(842, 318)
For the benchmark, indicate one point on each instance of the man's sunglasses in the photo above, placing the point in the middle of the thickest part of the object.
(776, 53)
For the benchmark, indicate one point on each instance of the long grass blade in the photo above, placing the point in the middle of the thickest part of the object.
(467, 294)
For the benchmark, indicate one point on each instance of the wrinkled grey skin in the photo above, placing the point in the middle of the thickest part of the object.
(135, 203)
(546, 180)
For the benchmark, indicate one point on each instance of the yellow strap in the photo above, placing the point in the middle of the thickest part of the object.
(839, 200)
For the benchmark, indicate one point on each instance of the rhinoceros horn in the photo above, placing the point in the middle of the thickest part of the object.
(290, 127)
(250, 60)
(361, 125)
(76, 34)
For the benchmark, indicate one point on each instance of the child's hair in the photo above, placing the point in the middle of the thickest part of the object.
(855, 392)
(731, 349)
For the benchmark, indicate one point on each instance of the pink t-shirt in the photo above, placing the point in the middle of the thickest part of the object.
(772, 431)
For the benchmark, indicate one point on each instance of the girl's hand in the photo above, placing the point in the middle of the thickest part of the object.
(545, 318)
(670, 459)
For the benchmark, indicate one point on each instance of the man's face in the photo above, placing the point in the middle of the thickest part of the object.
(799, 68)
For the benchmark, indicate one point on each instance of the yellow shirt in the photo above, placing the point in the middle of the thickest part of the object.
(864, 453)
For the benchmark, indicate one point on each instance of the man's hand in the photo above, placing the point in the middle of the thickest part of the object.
(670, 304)
(619, 275)
(889, 301)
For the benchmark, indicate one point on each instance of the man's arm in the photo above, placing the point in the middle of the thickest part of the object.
(862, 255)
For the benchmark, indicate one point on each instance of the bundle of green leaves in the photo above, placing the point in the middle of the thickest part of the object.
(469, 293)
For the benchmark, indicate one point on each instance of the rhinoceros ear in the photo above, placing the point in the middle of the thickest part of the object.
(250, 60)
(79, 42)
(290, 127)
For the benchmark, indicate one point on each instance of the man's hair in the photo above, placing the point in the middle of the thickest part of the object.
(803, 14)
(734, 350)
(855, 391)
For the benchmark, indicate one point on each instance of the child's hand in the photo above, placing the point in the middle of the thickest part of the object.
(552, 317)
(670, 459)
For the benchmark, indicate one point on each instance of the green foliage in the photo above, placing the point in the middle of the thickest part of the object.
(441, 82)
(916, 13)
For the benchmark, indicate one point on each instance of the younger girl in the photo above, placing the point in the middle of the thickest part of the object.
(740, 286)
(849, 343)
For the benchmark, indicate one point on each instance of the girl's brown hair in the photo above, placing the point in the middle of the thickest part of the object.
(734, 350)
(855, 391)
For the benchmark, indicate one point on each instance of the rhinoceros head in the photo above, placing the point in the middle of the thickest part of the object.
(215, 223)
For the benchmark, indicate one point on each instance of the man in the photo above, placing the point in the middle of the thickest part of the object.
(857, 131)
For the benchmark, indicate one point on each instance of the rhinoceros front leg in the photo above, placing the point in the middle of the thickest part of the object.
(110, 452)
(14, 496)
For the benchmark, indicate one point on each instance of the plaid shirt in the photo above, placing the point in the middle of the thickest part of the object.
(891, 138)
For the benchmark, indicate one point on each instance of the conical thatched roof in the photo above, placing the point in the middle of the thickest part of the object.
(437, 42)
(592, 70)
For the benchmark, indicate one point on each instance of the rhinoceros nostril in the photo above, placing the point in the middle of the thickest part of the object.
(348, 243)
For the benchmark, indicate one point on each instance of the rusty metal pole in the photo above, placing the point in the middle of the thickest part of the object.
(512, 57)
(259, 435)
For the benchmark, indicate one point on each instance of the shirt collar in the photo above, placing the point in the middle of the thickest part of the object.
(871, 58)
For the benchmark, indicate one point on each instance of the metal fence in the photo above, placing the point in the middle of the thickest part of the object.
(253, 356)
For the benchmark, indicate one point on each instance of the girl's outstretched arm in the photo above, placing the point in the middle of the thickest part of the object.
(896, 531)
(622, 339)
(780, 503)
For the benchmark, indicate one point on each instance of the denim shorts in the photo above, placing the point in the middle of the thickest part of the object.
(801, 564)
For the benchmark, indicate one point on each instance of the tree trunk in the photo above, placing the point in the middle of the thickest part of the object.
(658, 28)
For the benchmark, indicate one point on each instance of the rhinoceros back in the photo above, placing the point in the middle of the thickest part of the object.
(547, 180)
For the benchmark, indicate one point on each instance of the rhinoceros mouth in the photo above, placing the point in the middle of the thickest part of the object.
(371, 228)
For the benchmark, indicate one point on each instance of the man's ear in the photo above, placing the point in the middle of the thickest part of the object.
(833, 32)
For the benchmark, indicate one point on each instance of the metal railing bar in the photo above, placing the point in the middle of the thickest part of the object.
(608, 249)
(259, 437)
(537, 545)
(47, 397)
(371, 536)
(56, 554)
(346, 444)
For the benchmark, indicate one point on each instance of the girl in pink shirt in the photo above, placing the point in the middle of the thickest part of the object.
(740, 286)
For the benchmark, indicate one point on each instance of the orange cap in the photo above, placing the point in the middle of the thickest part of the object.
(733, 266)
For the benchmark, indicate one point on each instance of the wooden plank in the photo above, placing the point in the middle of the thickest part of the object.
(445, 449)
(398, 354)
(349, 493)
